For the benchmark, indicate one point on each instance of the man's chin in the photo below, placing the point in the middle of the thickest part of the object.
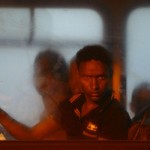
(95, 98)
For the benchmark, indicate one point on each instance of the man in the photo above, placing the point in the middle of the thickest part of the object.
(94, 114)
(50, 78)
(140, 106)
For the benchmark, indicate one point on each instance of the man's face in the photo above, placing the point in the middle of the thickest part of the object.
(94, 79)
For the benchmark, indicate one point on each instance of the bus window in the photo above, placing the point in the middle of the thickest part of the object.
(68, 29)
(25, 32)
(14, 25)
(138, 50)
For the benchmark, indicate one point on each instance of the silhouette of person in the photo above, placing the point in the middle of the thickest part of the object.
(140, 105)
(51, 81)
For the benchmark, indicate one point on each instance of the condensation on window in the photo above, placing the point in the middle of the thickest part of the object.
(138, 51)
(24, 33)
(14, 24)
(68, 29)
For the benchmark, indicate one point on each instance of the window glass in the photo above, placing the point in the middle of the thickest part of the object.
(138, 50)
(14, 24)
(66, 30)
(17, 92)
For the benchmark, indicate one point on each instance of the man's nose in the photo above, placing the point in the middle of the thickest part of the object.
(95, 84)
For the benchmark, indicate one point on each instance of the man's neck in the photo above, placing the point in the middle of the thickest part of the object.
(87, 107)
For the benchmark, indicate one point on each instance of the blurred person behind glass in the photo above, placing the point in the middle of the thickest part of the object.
(51, 81)
(140, 106)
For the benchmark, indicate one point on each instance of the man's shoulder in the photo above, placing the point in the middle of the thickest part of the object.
(74, 97)
(115, 103)
(70, 101)
(118, 108)
(119, 113)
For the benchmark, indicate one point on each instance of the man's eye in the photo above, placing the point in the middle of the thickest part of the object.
(101, 77)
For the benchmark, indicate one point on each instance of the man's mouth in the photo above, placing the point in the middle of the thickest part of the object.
(95, 94)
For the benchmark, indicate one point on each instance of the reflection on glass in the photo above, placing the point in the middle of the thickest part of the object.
(66, 30)
(14, 24)
(138, 50)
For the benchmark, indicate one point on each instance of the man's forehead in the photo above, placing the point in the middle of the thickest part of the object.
(92, 62)
(93, 66)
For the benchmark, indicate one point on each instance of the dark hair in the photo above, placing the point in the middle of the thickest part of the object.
(55, 62)
(95, 52)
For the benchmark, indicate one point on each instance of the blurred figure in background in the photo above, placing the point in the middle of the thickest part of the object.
(140, 105)
(51, 81)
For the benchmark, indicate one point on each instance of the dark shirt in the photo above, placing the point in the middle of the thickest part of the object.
(109, 120)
